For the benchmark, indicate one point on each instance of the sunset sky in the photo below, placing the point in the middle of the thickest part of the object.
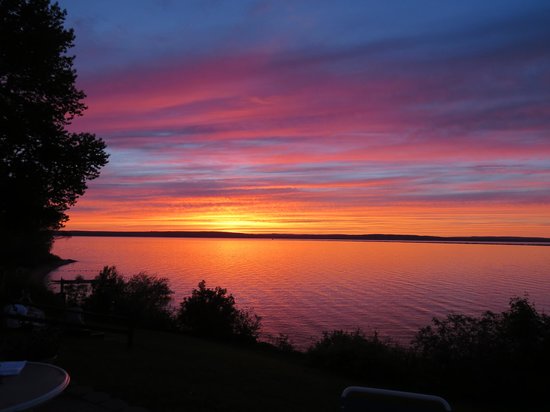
(411, 117)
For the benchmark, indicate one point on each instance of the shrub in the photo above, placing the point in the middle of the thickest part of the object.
(213, 313)
(107, 291)
(145, 298)
(496, 351)
(354, 353)
(283, 343)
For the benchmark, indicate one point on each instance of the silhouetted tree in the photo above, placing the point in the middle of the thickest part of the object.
(108, 290)
(379, 360)
(213, 313)
(43, 167)
(145, 298)
(497, 351)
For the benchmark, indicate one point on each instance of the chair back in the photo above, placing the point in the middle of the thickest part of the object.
(364, 399)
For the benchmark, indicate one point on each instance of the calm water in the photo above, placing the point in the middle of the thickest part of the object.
(303, 287)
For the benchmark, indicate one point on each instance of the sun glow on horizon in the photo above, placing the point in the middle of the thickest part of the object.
(421, 220)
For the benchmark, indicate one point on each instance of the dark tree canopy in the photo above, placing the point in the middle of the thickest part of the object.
(213, 313)
(145, 298)
(43, 167)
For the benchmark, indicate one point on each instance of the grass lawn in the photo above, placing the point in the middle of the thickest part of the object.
(171, 372)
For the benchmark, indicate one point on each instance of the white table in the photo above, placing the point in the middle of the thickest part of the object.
(36, 384)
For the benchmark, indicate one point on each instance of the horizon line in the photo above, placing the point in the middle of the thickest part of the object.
(319, 236)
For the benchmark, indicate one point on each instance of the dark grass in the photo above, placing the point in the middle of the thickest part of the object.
(165, 372)
(173, 372)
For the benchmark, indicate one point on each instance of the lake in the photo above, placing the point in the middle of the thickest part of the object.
(304, 287)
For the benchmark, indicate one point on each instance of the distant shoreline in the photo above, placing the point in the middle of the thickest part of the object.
(500, 240)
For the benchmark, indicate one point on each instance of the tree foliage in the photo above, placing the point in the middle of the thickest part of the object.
(145, 298)
(213, 313)
(357, 354)
(510, 349)
(473, 357)
(43, 167)
(458, 340)
(107, 291)
(148, 298)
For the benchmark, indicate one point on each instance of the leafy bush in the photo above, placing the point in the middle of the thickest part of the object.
(213, 313)
(282, 343)
(148, 299)
(496, 351)
(108, 291)
(479, 357)
(145, 298)
(354, 353)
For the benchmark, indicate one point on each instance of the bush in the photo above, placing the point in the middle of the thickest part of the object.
(107, 293)
(148, 299)
(459, 355)
(497, 351)
(213, 313)
(282, 343)
(144, 298)
(354, 353)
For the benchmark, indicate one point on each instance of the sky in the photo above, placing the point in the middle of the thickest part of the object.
(405, 117)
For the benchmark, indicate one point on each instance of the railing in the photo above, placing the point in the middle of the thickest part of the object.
(62, 282)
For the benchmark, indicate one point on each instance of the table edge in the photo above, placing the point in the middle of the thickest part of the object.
(45, 397)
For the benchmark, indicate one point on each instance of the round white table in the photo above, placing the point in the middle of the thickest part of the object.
(36, 384)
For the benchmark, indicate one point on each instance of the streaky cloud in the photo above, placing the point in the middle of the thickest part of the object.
(396, 125)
